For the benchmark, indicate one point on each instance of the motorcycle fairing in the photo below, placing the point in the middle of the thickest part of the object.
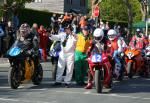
(14, 51)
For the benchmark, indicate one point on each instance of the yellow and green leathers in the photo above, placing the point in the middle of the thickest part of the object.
(81, 64)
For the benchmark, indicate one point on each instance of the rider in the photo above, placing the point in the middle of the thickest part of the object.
(116, 46)
(98, 45)
(138, 41)
(29, 40)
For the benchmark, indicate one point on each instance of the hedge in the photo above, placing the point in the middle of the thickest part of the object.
(43, 18)
(33, 16)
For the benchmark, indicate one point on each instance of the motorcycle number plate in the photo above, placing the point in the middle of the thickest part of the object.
(14, 51)
(96, 58)
(130, 55)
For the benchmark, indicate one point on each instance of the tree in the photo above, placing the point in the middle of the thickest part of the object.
(143, 4)
(130, 17)
(11, 7)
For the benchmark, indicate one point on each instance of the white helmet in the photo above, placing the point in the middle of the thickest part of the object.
(112, 34)
(98, 34)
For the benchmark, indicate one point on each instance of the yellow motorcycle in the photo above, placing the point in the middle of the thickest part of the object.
(24, 68)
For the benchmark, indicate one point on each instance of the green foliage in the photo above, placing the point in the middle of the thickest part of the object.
(33, 16)
(116, 10)
(113, 10)
(136, 10)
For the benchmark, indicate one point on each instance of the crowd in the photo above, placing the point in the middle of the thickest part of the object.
(73, 38)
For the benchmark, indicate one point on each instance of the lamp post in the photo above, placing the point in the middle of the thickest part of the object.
(147, 12)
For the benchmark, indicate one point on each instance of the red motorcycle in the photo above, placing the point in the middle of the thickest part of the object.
(103, 73)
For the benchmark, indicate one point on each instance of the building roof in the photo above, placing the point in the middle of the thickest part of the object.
(49, 5)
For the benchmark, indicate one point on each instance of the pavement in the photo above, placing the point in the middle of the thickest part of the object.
(3, 60)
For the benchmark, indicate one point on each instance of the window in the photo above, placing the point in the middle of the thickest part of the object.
(38, 1)
(69, 2)
(82, 3)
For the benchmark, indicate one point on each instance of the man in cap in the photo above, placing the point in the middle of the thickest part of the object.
(66, 56)
(81, 64)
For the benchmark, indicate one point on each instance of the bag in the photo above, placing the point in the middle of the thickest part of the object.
(55, 49)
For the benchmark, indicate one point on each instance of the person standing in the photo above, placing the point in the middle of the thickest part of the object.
(66, 56)
(11, 34)
(43, 41)
(81, 64)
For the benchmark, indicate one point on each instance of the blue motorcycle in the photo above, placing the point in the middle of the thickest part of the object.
(24, 66)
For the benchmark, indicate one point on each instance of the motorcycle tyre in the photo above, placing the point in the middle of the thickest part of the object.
(98, 81)
(38, 75)
(12, 80)
(130, 70)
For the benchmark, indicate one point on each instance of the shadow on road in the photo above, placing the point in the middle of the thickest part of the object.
(135, 85)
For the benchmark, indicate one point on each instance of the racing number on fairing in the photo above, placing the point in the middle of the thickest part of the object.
(96, 58)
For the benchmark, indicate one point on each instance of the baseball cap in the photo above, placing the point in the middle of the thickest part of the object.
(85, 28)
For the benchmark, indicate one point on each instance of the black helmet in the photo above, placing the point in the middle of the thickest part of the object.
(24, 30)
(66, 26)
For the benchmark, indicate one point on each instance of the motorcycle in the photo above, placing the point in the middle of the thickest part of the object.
(102, 68)
(23, 68)
(118, 70)
(134, 62)
(54, 54)
(148, 57)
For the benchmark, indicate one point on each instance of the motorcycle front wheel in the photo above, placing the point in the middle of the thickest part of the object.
(14, 78)
(99, 80)
(130, 69)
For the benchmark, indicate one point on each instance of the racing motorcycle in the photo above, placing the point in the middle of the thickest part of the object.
(148, 57)
(23, 68)
(134, 62)
(54, 54)
(103, 72)
(118, 70)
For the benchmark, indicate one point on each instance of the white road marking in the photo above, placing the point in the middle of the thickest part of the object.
(26, 101)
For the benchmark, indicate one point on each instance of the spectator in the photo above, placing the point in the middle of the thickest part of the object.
(43, 41)
(81, 64)
(54, 23)
(82, 22)
(66, 56)
(66, 19)
(11, 34)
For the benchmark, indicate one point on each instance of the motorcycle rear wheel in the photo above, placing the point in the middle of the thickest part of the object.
(38, 75)
(98, 80)
(14, 78)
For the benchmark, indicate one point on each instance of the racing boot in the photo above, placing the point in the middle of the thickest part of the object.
(90, 79)
(89, 86)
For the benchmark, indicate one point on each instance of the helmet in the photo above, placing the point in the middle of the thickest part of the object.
(112, 34)
(24, 30)
(98, 34)
(138, 30)
(68, 26)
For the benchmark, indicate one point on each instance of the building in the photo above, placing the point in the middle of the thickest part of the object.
(59, 6)
(1, 2)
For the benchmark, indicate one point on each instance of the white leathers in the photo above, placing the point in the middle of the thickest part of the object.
(120, 48)
(66, 56)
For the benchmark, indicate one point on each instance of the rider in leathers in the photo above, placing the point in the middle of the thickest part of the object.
(98, 45)
(117, 48)
(29, 40)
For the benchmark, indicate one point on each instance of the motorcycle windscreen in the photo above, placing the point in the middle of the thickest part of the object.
(14, 51)
(96, 58)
